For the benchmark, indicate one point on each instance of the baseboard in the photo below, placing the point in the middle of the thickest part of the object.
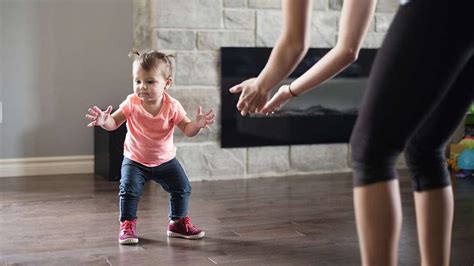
(81, 164)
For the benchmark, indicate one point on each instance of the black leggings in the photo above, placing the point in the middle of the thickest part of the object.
(420, 87)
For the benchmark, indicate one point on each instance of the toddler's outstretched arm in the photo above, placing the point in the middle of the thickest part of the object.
(192, 128)
(104, 119)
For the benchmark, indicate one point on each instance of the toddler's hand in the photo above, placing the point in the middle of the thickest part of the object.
(98, 116)
(280, 98)
(204, 120)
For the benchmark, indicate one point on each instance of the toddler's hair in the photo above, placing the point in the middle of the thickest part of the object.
(153, 59)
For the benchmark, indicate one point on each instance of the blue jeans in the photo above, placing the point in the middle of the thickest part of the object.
(169, 175)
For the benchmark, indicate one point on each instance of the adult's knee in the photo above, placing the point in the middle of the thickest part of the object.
(372, 163)
(427, 166)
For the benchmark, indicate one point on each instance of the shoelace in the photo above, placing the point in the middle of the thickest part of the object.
(127, 227)
(187, 223)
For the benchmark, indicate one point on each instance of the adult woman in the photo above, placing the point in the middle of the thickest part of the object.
(418, 92)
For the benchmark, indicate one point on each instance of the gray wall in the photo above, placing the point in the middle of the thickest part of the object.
(58, 57)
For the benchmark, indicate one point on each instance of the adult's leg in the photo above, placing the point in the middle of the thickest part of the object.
(425, 157)
(421, 57)
(379, 219)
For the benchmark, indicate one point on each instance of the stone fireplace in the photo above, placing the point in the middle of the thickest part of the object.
(194, 31)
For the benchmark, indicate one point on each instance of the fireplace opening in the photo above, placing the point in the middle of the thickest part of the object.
(325, 114)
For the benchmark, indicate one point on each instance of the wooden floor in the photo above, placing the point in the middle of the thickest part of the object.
(72, 220)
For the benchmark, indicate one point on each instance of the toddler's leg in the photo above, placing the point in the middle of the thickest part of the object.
(132, 181)
(131, 186)
(173, 179)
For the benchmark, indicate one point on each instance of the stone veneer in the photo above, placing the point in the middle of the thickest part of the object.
(194, 31)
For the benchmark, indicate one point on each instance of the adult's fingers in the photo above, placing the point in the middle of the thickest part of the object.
(242, 101)
(252, 109)
(270, 106)
(237, 88)
(246, 103)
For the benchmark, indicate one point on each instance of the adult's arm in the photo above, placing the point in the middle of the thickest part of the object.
(288, 51)
(355, 19)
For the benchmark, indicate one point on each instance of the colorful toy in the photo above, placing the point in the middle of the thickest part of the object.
(465, 162)
(468, 142)
(452, 165)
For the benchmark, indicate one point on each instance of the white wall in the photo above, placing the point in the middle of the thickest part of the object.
(58, 57)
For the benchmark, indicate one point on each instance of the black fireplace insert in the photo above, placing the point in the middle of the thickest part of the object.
(325, 114)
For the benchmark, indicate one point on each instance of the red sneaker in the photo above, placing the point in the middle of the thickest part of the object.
(184, 229)
(128, 233)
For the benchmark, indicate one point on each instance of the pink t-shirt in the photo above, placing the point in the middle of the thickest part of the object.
(149, 139)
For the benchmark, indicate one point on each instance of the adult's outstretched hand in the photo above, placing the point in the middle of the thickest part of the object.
(252, 99)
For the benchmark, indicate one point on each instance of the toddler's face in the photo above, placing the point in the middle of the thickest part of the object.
(148, 85)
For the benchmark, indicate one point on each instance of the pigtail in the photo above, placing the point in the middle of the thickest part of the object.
(134, 52)
(170, 63)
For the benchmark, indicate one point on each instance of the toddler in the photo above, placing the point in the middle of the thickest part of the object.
(149, 152)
